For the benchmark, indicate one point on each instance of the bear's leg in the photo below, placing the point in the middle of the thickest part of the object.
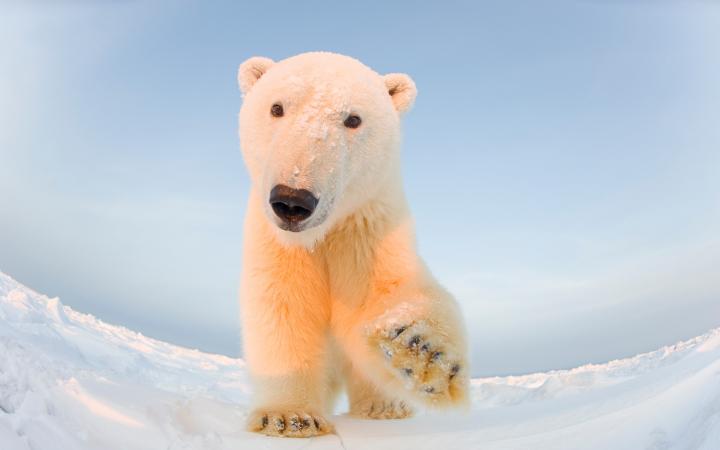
(288, 367)
(285, 317)
(368, 402)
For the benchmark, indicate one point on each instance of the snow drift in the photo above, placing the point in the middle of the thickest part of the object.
(70, 381)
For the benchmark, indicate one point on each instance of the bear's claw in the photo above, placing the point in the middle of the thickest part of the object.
(288, 424)
(424, 361)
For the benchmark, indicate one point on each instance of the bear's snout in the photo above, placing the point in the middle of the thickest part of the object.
(292, 206)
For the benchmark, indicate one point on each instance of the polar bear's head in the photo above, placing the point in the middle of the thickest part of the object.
(320, 135)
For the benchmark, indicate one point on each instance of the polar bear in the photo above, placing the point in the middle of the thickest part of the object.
(333, 292)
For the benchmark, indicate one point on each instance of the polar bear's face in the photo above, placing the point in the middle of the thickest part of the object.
(320, 135)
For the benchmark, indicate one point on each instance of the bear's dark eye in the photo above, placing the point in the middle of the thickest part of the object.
(352, 121)
(277, 110)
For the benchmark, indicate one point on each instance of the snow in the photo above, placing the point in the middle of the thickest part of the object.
(70, 381)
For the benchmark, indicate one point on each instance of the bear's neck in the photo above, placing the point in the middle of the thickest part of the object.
(374, 218)
(358, 250)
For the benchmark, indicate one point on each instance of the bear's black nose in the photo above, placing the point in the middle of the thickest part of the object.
(292, 205)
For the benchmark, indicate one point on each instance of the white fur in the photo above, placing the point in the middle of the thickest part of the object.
(311, 299)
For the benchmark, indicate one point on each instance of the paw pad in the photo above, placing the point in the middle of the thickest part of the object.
(414, 341)
(280, 424)
(424, 360)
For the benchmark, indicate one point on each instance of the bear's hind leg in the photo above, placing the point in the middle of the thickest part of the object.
(368, 402)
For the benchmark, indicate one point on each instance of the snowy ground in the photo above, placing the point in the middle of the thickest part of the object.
(69, 381)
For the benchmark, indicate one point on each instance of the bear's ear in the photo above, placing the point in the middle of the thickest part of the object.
(251, 70)
(402, 90)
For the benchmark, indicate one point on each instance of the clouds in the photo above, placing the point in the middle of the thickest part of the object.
(543, 319)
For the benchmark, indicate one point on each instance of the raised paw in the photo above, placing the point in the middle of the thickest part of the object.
(424, 360)
(378, 408)
(288, 423)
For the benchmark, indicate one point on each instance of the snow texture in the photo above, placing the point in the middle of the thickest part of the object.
(70, 381)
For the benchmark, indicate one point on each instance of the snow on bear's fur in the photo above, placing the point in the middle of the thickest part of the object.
(333, 291)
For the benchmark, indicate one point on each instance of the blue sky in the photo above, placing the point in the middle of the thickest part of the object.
(562, 161)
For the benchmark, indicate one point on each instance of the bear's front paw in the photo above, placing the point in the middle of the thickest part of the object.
(425, 361)
(288, 423)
